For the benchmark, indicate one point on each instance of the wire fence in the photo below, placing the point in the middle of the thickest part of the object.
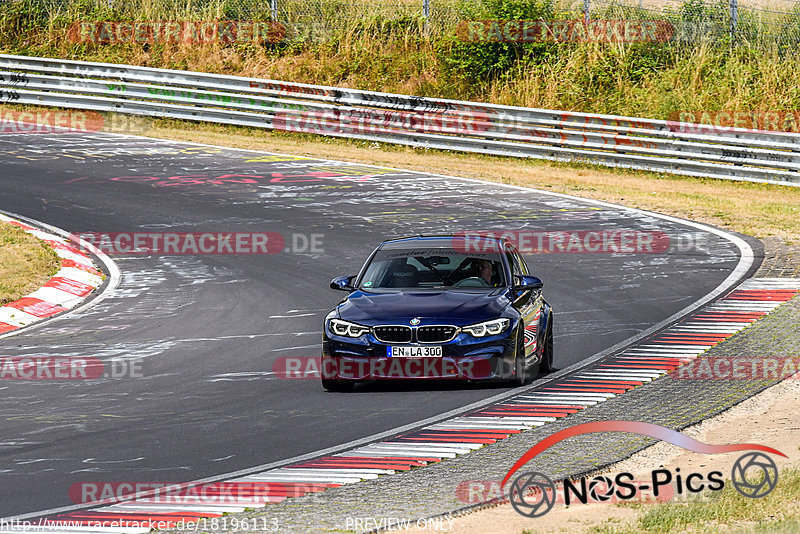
(693, 21)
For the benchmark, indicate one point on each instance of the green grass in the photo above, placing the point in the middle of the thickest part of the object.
(26, 263)
(725, 512)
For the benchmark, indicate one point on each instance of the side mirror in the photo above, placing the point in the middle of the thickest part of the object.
(525, 282)
(343, 283)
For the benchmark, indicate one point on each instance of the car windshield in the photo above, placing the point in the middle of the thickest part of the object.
(433, 268)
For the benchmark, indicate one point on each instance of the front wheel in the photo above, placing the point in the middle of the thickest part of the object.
(520, 370)
(337, 386)
(547, 349)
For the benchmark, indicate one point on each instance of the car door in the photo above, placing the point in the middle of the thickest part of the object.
(529, 304)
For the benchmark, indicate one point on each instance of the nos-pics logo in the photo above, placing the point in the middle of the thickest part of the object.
(533, 494)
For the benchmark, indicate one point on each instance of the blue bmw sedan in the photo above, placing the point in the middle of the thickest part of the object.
(438, 307)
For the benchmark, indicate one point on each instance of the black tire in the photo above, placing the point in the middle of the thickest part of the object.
(337, 386)
(547, 349)
(520, 371)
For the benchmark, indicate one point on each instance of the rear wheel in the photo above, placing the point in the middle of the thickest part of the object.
(337, 386)
(547, 348)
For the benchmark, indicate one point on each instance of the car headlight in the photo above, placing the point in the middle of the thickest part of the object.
(487, 328)
(346, 328)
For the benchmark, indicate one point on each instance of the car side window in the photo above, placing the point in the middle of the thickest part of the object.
(516, 262)
(523, 267)
(513, 264)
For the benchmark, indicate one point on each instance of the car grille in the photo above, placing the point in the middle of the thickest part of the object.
(436, 334)
(392, 334)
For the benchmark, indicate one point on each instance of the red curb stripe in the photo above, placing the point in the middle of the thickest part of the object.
(440, 439)
(683, 342)
(730, 320)
(585, 389)
(74, 264)
(691, 336)
(367, 459)
(21, 225)
(538, 411)
(63, 246)
(311, 486)
(5, 327)
(495, 434)
(346, 460)
(70, 286)
(348, 465)
(503, 430)
(771, 298)
(732, 313)
(773, 294)
(601, 388)
(434, 434)
(240, 493)
(610, 388)
(546, 406)
(642, 359)
(36, 307)
(672, 337)
(620, 363)
(513, 414)
(496, 437)
(415, 458)
(633, 383)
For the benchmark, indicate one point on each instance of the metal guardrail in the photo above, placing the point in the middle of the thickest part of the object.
(647, 144)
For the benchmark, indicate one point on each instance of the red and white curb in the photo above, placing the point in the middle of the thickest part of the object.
(77, 278)
(648, 360)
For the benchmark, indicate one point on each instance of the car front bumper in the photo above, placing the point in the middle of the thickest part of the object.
(463, 358)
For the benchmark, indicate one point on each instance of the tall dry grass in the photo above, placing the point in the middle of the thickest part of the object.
(396, 55)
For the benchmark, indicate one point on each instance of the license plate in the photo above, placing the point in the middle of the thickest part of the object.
(414, 352)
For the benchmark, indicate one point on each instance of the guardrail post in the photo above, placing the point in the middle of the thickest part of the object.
(587, 6)
(734, 8)
(426, 12)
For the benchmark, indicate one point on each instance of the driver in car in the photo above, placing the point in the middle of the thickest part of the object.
(483, 269)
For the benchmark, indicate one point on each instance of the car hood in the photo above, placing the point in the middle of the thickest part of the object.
(454, 306)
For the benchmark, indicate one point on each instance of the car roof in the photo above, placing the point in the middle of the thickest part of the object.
(444, 241)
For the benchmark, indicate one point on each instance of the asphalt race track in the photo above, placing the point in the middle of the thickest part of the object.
(207, 329)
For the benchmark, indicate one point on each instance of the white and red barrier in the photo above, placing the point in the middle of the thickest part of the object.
(76, 279)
